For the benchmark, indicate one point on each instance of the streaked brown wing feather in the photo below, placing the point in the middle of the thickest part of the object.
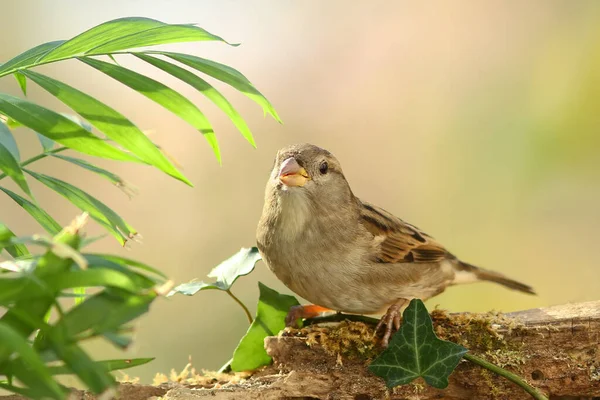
(401, 241)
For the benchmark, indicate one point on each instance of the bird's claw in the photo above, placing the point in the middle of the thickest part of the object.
(391, 320)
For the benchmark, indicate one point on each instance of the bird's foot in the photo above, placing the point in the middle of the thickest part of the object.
(307, 311)
(391, 320)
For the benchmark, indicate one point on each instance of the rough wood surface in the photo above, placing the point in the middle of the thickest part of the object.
(556, 349)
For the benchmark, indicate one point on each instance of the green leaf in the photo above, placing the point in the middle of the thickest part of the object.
(28, 57)
(90, 278)
(99, 211)
(12, 342)
(22, 80)
(21, 286)
(140, 281)
(16, 250)
(124, 33)
(270, 319)
(113, 178)
(109, 365)
(415, 351)
(99, 259)
(226, 273)
(47, 144)
(161, 94)
(59, 128)
(79, 293)
(41, 216)
(8, 140)
(109, 121)
(10, 166)
(95, 376)
(205, 88)
(225, 74)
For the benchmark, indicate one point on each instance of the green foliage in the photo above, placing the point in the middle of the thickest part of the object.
(103, 131)
(415, 351)
(33, 289)
(270, 319)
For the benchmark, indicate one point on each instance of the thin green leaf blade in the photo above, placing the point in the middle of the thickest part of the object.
(415, 351)
(225, 74)
(205, 88)
(161, 94)
(42, 217)
(178, 33)
(79, 293)
(10, 166)
(225, 274)
(28, 58)
(99, 211)
(8, 140)
(270, 319)
(22, 81)
(110, 365)
(109, 121)
(47, 144)
(59, 128)
(36, 367)
(90, 278)
(16, 250)
(95, 376)
(113, 178)
(124, 33)
(125, 262)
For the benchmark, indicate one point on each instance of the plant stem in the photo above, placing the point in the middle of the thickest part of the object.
(38, 157)
(250, 319)
(506, 374)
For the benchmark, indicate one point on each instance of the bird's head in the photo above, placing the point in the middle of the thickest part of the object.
(308, 178)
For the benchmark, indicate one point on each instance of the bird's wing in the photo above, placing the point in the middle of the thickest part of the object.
(400, 242)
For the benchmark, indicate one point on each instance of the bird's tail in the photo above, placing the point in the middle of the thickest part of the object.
(480, 274)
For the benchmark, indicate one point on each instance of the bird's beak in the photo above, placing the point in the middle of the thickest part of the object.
(292, 174)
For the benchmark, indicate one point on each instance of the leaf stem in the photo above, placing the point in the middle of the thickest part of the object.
(38, 157)
(506, 374)
(248, 315)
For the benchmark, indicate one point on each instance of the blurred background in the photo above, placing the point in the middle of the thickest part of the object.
(476, 121)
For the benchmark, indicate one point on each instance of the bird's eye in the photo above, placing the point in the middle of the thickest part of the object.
(323, 168)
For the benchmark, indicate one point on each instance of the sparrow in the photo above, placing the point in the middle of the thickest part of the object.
(343, 254)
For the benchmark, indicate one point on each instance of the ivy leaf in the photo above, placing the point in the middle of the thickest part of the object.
(270, 319)
(226, 273)
(415, 351)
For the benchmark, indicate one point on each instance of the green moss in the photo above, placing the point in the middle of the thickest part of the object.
(349, 339)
